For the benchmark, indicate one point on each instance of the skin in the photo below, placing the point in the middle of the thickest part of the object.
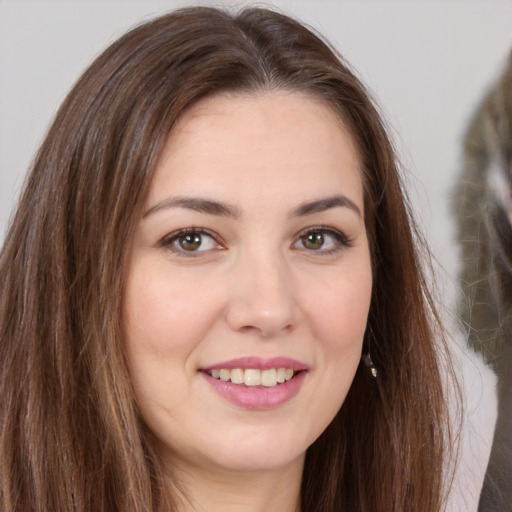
(255, 285)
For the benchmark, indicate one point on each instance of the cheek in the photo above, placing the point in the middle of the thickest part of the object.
(339, 310)
(166, 316)
(166, 312)
(338, 314)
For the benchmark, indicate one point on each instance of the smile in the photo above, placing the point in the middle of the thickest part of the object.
(253, 376)
(257, 383)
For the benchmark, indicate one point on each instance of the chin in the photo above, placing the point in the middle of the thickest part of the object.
(260, 451)
(260, 462)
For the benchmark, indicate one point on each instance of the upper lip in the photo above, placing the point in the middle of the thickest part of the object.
(258, 363)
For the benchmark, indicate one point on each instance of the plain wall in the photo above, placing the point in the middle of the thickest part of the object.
(428, 62)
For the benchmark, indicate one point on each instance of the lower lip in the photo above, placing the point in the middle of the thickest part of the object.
(260, 397)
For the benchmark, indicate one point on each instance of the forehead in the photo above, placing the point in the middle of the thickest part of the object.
(268, 142)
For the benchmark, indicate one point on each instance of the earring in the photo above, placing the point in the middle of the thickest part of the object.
(367, 360)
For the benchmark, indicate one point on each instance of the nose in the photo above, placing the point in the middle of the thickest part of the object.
(263, 297)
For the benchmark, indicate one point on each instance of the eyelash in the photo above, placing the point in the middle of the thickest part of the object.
(341, 240)
(171, 240)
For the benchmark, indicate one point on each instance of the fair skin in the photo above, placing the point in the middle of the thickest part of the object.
(273, 276)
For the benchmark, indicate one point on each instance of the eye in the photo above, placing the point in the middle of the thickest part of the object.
(313, 240)
(188, 242)
(322, 240)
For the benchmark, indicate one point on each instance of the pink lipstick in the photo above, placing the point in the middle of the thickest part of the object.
(256, 383)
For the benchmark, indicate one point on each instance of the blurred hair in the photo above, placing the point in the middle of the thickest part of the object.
(70, 434)
(483, 209)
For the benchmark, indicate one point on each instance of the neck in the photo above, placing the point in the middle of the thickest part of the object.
(207, 490)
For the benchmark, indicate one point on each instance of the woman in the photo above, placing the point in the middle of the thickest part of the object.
(212, 235)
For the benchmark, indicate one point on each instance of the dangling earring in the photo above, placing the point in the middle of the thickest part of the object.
(367, 360)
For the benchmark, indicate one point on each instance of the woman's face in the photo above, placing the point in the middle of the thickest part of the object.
(249, 283)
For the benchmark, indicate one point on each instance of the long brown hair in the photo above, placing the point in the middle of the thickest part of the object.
(70, 437)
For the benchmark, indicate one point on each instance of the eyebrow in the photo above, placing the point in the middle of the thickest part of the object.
(197, 204)
(321, 205)
(212, 207)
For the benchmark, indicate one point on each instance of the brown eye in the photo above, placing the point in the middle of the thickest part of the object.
(190, 241)
(322, 240)
(313, 241)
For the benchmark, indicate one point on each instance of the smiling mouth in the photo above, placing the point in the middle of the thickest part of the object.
(252, 377)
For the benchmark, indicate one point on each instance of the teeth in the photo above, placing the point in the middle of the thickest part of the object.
(253, 377)
(237, 376)
(269, 377)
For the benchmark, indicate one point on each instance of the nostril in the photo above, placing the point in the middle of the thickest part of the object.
(246, 318)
